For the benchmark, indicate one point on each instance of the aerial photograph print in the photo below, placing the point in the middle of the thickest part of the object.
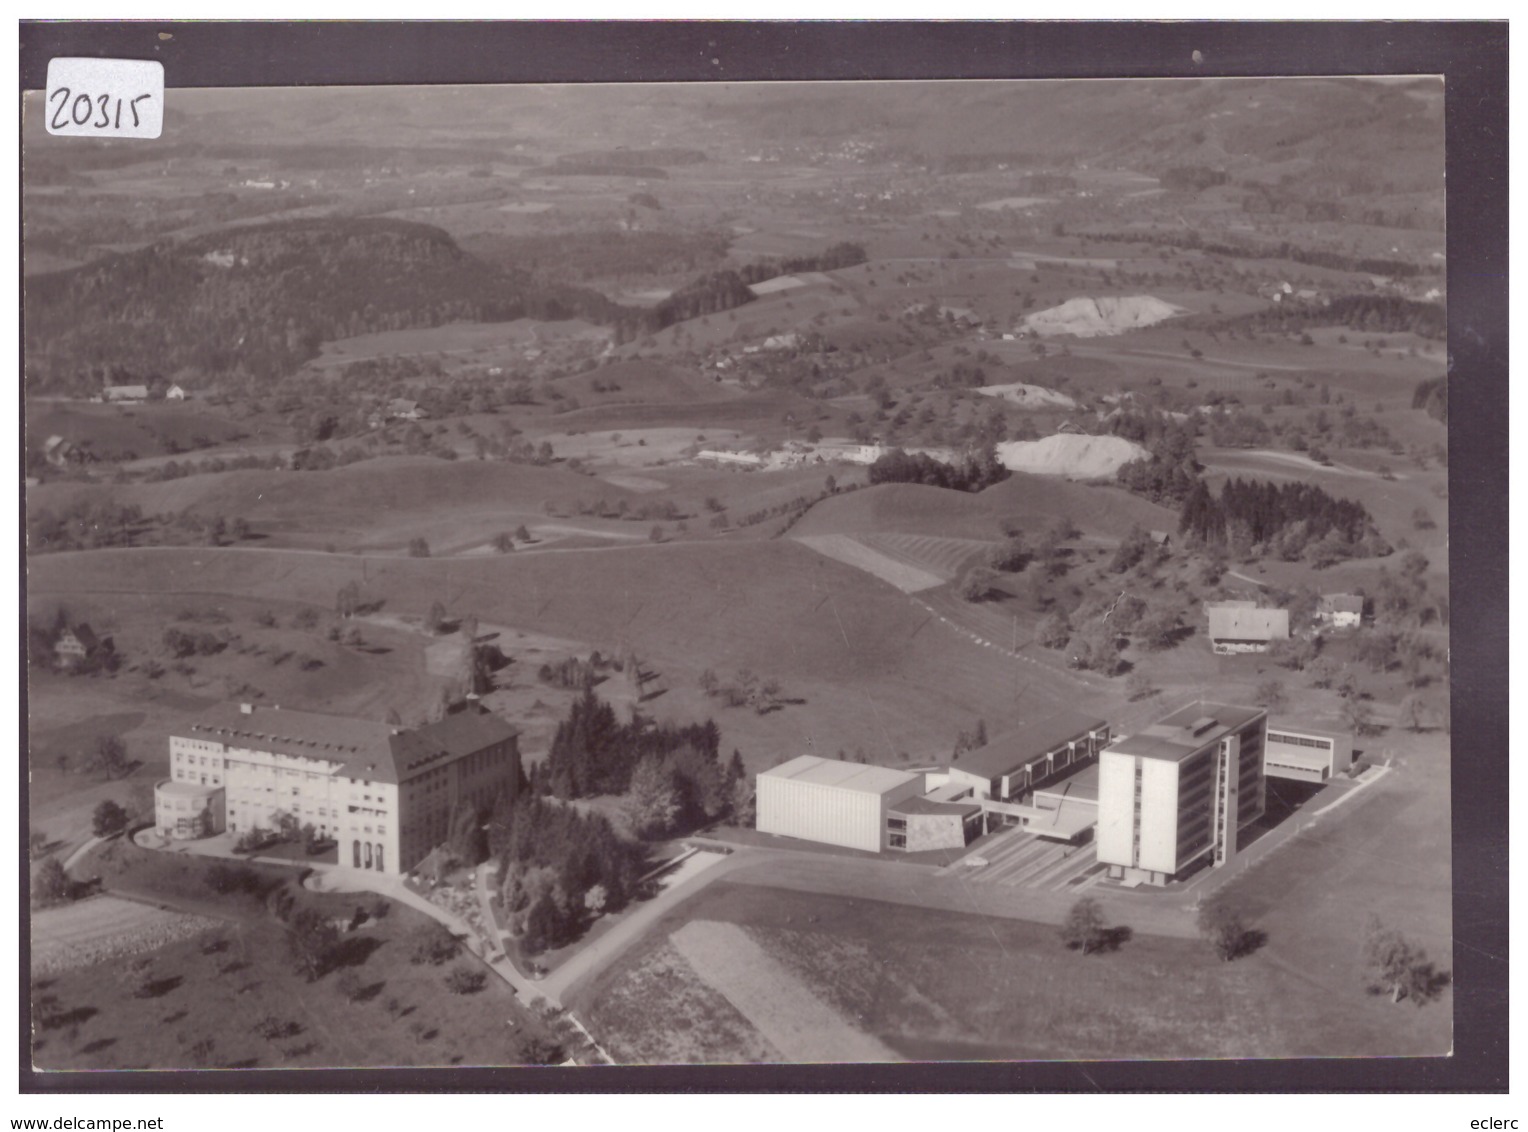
(739, 574)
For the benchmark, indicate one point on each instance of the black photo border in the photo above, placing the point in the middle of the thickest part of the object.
(1471, 56)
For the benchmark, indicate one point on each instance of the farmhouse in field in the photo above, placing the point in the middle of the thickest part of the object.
(61, 453)
(1241, 627)
(385, 793)
(125, 394)
(398, 409)
(175, 393)
(730, 459)
(78, 644)
(1340, 611)
(1176, 796)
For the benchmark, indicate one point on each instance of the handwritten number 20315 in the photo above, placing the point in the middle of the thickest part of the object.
(69, 110)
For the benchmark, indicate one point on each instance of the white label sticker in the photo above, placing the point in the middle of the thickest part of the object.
(108, 98)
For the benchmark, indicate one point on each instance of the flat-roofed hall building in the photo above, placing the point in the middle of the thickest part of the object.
(832, 802)
(1306, 754)
(1180, 792)
(385, 793)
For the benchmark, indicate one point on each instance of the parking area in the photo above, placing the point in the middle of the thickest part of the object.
(1021, 860)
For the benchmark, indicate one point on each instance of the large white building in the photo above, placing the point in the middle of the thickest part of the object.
(832, 802)
(1306, 754)
(385, 793)
(1178, 794)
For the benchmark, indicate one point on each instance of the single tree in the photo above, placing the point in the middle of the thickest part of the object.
(108, 819)
(1224, 929)
(531, 1049)
(110, 757)
(466, 980)
(311, 940)
(1083, 929)
(1398, 967)
(466, 839)
(50, 884)
(1359, 716)
(1138, 685)
(1270, 694)
(349, 984)
(434, 617)
(418, 548)
(503, 542)
(652, 800)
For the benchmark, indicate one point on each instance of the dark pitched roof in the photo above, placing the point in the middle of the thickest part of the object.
(1249, 624)
(84, 634)
(446, 740)
(366, 749)
(1340, 603)
(1013, 749)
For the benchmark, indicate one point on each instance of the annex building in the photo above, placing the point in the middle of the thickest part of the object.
(1019, 777)
(1176, 796)
(1306, 754)
(1031, 777)
(385, 793)
(832, 802)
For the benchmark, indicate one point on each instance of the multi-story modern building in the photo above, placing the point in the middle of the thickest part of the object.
(385, 793)
(1178, 794)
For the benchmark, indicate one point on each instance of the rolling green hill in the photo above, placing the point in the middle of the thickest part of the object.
(1027, 500)
(260, 299)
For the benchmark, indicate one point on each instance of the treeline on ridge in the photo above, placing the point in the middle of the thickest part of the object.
(593, 753)
(1369, 314)
(259, 300)
(1292, 520)
(723, 290)
(978, 469)
(1313, 257)
(1431, 396)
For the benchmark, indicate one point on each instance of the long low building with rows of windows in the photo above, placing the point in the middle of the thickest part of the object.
(1038, 776)
(384, 793)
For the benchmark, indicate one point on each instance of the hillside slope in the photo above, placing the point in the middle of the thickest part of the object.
(260, 299)
(1028, 500)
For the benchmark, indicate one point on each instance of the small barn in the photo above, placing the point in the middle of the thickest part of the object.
(1340, 611)
(1236, 629)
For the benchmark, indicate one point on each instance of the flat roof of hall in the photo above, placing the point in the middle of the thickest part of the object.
(859, 777)
(1186, 731)
(1033, 739)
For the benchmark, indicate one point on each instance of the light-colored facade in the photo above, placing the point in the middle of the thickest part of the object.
(185, 810)
(1340, 611)
(832, 802)
(916, 824)
(1306, 754)
(1016, 764)
(386, 794)
(1180, 792)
